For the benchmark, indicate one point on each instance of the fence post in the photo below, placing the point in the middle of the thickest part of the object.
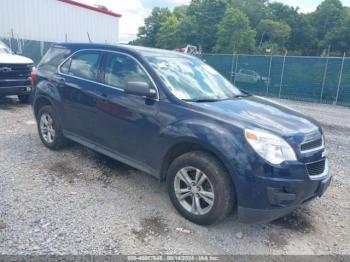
(282, 75)
(232, 65)
(340, 79)
(268, 77)
(324, 78)
(234, 80)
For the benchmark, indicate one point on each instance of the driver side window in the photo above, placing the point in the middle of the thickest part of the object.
(121, 69)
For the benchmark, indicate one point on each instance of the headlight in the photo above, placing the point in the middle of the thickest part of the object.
(270, 147)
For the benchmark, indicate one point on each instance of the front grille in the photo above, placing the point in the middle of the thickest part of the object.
(311, 144)
(15, 71)
(316, 168)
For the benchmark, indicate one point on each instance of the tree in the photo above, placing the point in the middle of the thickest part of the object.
(103, 7)
(274, 32)
(254, 9)
(235, 33)
(168, 36)
(180, 12)
(147, 35)
(328, 17)
(339, 38)
(208, 14)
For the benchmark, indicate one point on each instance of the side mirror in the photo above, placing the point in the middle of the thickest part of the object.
(140, 89)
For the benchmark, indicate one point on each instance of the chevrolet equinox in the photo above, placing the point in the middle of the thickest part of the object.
(174, 117)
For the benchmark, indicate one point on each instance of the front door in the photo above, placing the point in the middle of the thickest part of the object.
(127, 124)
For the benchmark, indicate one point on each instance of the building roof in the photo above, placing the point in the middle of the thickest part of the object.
(71, 2)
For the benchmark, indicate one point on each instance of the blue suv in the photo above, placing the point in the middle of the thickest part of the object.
(176, 118)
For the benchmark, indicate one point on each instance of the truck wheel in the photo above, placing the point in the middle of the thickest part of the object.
(50, 128)
(200, 188)
(24, 99)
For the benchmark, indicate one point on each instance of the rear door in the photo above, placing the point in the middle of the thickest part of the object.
(79, 82)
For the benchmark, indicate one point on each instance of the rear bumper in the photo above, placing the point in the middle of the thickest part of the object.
(277, 197)
(15, 90)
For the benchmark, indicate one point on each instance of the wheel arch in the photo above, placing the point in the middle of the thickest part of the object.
(39, 103)
(183, 146)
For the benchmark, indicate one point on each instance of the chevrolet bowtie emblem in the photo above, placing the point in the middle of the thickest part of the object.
(5, 69)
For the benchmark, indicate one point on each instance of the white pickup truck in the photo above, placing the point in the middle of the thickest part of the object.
(15, 71)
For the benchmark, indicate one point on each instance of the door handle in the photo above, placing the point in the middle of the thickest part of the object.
(103, 97)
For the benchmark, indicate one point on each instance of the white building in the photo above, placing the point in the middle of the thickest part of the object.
(57, 21)
(31, 26)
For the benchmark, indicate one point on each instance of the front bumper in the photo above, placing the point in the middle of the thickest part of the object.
(276, 197)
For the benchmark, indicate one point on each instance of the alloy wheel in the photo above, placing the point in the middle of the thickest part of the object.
(46, 128)
(194, 190)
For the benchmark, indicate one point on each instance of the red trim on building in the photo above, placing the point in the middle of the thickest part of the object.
(91, 8)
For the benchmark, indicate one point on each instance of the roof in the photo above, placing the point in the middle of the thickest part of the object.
(71, 2)
(144, 51)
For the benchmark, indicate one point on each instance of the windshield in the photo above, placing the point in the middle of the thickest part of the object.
(4, 49)
(188, 78)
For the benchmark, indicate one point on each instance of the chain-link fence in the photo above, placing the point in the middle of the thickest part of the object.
(316, 79)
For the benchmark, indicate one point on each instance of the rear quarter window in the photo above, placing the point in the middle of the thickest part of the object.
(83, 64)
(53, 58)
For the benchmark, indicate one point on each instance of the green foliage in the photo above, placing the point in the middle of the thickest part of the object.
(254, 9)
(168, 35)
(235, 33)
(274, 32)
(249, 26)
(147, 35)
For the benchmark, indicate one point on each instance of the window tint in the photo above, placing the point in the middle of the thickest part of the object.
(53, 58)
(84, 64)
(121, 69)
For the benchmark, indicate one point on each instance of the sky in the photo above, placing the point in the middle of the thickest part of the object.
(135, 11)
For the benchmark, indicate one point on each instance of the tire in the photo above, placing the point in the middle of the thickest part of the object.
(57, 141)
(218, 186)
(24, 99)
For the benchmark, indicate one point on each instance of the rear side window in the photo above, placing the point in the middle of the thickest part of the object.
(121, 69)
(83, 64)
(53, 58)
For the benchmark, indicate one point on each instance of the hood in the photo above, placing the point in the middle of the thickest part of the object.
(261, 113)
(14, 59)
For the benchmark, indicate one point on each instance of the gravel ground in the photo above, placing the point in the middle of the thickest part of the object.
(76, 201)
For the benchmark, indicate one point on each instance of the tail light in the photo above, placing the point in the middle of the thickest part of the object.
(33, 77)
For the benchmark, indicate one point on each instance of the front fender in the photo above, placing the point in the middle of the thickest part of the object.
(222, 140)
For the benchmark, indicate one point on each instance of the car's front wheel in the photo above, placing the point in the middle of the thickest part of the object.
(50, 129)
(200, 188)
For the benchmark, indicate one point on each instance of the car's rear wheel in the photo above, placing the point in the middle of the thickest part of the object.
(50, 129)
(24, 99)
(200, 188)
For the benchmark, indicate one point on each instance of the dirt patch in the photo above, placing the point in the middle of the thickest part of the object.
(7, 103)
(296, 221)
(151, 227)
(2, 225)
(109, 168)
(65, 170)
(277, 239)
(63, 167)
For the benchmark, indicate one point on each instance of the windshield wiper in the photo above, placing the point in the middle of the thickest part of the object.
(203, 100)
(241, 95)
